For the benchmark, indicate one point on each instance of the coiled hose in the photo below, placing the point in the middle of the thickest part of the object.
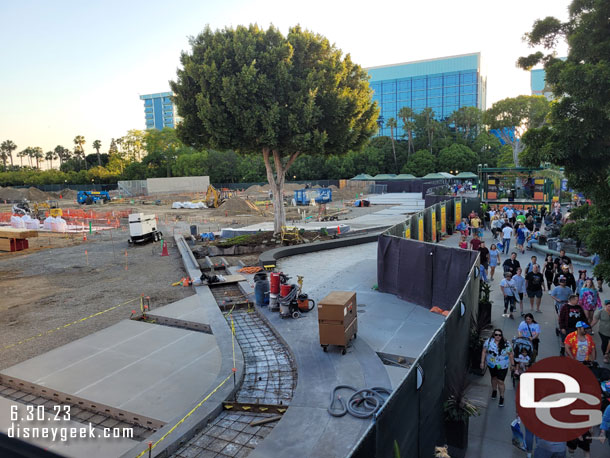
(292, 295)
(362, 404)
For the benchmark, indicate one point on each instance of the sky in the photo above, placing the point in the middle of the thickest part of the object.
(70, 67)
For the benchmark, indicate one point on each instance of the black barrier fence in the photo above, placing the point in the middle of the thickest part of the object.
(412, 418)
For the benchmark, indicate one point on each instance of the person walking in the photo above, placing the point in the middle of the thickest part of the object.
(580, 282)
(475, 243)
(533, 260)
(589, 299)
(600, 281)
(548, 449)
(602, 316)
(563, 259)
(520, 286)
(475, 223)
(521, 236)
(531, 329)
(498, 355)
(484, 259)
(507, 233)
(511, 264)
(549, 271)
(509, 290)
(494, 260)
(534, 286)
(579, 345)
(569, 316)
(565, 273)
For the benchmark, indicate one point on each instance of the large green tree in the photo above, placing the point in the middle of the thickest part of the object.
(579, 134)
(97, 144)
(420, 163)
(256, 91)
(457, 157)
(513, 116)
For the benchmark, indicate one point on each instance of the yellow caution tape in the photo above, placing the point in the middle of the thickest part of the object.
(59, 328)
(233, 339)
(185, 417)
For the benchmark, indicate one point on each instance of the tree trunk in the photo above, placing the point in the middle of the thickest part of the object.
(169, 170)
(518, 146)
(276, 183)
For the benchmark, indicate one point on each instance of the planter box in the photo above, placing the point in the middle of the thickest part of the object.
(456, 434)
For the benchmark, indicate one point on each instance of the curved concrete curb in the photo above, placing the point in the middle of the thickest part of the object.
(269, 257)
(213, 406)
(574, 257)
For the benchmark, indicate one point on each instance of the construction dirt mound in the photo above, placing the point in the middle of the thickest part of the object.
(11, 194)
(68, 194)
(36, 195)
(235, 206)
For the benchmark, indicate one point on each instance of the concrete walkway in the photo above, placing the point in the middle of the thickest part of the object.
(490, 433)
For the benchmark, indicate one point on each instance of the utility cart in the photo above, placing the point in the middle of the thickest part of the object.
(338, 319)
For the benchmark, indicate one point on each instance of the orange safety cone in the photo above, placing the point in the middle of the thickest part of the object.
(84, 238)
(186, 281)
(339, 230)
(164, 251)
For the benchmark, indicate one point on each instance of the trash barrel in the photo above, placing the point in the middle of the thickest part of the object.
(261, 292)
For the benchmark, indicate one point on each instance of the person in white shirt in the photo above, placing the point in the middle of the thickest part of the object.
(507, 233)
(507, 285)
(520, 287)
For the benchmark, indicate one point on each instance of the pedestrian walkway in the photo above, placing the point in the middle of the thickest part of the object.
(489, 433)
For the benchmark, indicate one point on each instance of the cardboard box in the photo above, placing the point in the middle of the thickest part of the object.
(338, 306)
(337, 334)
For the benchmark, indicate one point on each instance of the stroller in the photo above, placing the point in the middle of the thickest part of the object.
(602, 375)
(523, 351)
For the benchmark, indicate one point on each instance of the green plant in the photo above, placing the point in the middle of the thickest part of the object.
(457, 407)
(323, 231)
(484, 292)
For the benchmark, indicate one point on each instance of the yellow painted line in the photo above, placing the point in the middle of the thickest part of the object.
(59, 328)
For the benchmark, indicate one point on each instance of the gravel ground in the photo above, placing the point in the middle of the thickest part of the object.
(50, 288)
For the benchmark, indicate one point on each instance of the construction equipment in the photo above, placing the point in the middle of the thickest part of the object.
(319, 196)
(213, 198)
(91, 197)
(52, 206)
(22, 208)
(290, 235)
(143, 228)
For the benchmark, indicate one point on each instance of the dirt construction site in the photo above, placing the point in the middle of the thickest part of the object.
(66, 277)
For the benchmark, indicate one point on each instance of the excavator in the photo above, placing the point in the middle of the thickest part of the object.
(213, 198)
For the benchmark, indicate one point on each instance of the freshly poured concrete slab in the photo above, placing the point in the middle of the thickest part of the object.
(187, 309)
(152, 370)
(387, 323)
(91, 447)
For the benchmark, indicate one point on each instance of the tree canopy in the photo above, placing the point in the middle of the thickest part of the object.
(578, 137)
(456, 157)
(421, 163)
(513, 116)
(255, 91)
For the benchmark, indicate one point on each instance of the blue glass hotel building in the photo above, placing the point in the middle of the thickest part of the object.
(159, 110)
(444, 84)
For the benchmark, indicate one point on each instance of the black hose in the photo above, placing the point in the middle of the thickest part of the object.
(362, 404)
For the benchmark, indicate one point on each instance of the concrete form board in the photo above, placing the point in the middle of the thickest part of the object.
(187, 309)
(140, 367)
(97, 447)
(177, 184)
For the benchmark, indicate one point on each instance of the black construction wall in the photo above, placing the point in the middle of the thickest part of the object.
(425, 274)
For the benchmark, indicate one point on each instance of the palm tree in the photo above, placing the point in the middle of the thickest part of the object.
(97, 145)
(38, 155)
(430, 125)
(21, 155)
(50, 156)
(62, 153)
(406, 115)
(9, 147)
(3, 156)
(79, 151)
(391, 122)
(29, 152)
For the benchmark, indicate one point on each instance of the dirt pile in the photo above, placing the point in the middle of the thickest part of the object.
(11, 194)
(69, 194)
(235, 206)
(36, 195)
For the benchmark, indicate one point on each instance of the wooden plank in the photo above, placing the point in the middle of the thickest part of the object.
(12, 233)
(228, 279)
(266, 420)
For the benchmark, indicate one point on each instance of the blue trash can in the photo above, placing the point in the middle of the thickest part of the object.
(261, 292)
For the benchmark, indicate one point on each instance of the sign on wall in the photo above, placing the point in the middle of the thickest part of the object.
(458, 212)
(443, 218)
(433, 217)
(420, 228)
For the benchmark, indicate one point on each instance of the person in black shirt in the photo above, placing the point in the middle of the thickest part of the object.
(549, 270)
(484, 257)
(529, 223)
(511, 264)
(565, 272)
(534, 286)
(563, 259)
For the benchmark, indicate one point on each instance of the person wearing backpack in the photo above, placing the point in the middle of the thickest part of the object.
(569, 316)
